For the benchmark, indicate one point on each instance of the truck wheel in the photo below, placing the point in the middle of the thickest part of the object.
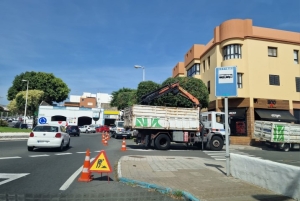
(286, 147)
(162, 142)
(216, 143)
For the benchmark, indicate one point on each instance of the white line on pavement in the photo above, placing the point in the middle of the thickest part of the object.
(220, 159)
(218, 156)
(63, 154)
(215, 154)
(39, 155)
(81, 152)
(214, 151)
(66, 185)
(10, 177)
(10, 157)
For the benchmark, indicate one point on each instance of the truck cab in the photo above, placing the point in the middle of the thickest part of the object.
(214, 122)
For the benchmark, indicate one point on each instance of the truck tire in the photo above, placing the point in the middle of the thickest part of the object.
(286, 147)
(162, 142)
(147, 142)
(216, 143)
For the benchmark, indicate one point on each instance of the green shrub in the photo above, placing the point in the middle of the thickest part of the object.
(3, 123)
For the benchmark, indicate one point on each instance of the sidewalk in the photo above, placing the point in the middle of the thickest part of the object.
(194, 178)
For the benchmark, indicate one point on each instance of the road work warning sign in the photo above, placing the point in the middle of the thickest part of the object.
(101, 163)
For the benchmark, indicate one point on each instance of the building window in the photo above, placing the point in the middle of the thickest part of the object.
(274, 80)
(297, 84)
(296, 56)
(208, 62)
(204, 66)
(232, 52)
(194, 70)
(240, 80)
(272, 51)
(208, 87)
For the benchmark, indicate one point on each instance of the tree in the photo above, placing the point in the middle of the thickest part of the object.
(55, 90)
(123, 98)
(145, 88)
(193, 85)
(34, 99)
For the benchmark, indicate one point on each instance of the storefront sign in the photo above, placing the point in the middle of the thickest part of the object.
(275, 115)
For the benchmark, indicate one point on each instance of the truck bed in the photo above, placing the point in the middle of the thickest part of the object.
(160, 117)
(277, 132)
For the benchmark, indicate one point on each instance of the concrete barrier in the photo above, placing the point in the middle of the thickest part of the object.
(277, 177)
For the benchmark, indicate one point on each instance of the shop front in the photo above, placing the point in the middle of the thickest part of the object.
(238, 121)
(273, 110)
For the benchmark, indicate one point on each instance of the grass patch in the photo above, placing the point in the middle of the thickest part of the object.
(177, 194)
(14, 130)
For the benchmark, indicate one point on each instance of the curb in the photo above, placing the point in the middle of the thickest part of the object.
(9, 137)
(165, 190)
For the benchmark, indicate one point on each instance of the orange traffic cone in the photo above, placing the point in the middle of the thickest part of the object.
(86, 174)
(103, 138)
(105, 141)
(108, 135)
(123, 148)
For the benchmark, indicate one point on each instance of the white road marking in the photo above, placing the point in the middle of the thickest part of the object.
(63, 154)
(214, 151)
(81, 152)
(95, 151)
(66, 185)
(10, 157)
(10, 177)
(215, 154)
(220, 159)
(39, 155)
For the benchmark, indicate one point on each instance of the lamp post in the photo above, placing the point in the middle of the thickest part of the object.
(26, 100)
(142, 67)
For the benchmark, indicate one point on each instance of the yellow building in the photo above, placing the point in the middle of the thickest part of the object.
(268, 78)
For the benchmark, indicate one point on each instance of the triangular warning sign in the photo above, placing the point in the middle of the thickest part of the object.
(101, 163)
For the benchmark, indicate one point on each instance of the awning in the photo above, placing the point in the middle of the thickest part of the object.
(237, 113)
(275, 115)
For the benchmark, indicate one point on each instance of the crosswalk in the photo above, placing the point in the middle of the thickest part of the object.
(220, 155)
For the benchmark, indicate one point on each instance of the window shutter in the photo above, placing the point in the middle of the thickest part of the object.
(297, 84)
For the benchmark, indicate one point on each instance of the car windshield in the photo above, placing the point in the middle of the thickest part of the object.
(45, 129)
(120, 124)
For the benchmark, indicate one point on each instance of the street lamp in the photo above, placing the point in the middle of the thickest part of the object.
(26, 100)
(137, 66)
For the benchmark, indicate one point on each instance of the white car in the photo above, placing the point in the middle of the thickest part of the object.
(48, 136)
(88, 129)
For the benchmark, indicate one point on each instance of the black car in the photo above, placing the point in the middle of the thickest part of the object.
(73, 130)
(24, 126)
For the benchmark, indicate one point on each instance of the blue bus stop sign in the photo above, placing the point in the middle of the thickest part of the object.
(42, 120)
(226, 81)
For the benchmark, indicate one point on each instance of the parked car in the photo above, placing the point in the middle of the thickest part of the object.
(89, 129)
(82, 129)
(73, 130)
(24, 126)
(17, 124)
(103, 128)
(119, 131)
(48, 136)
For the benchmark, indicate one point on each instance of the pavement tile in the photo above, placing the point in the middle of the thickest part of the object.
(203, 178)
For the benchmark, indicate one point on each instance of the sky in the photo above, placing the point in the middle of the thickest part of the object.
(93, 45)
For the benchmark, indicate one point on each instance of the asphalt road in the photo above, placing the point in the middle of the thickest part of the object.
(47, 171)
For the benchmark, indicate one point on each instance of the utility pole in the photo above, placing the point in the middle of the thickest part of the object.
(1, 111)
